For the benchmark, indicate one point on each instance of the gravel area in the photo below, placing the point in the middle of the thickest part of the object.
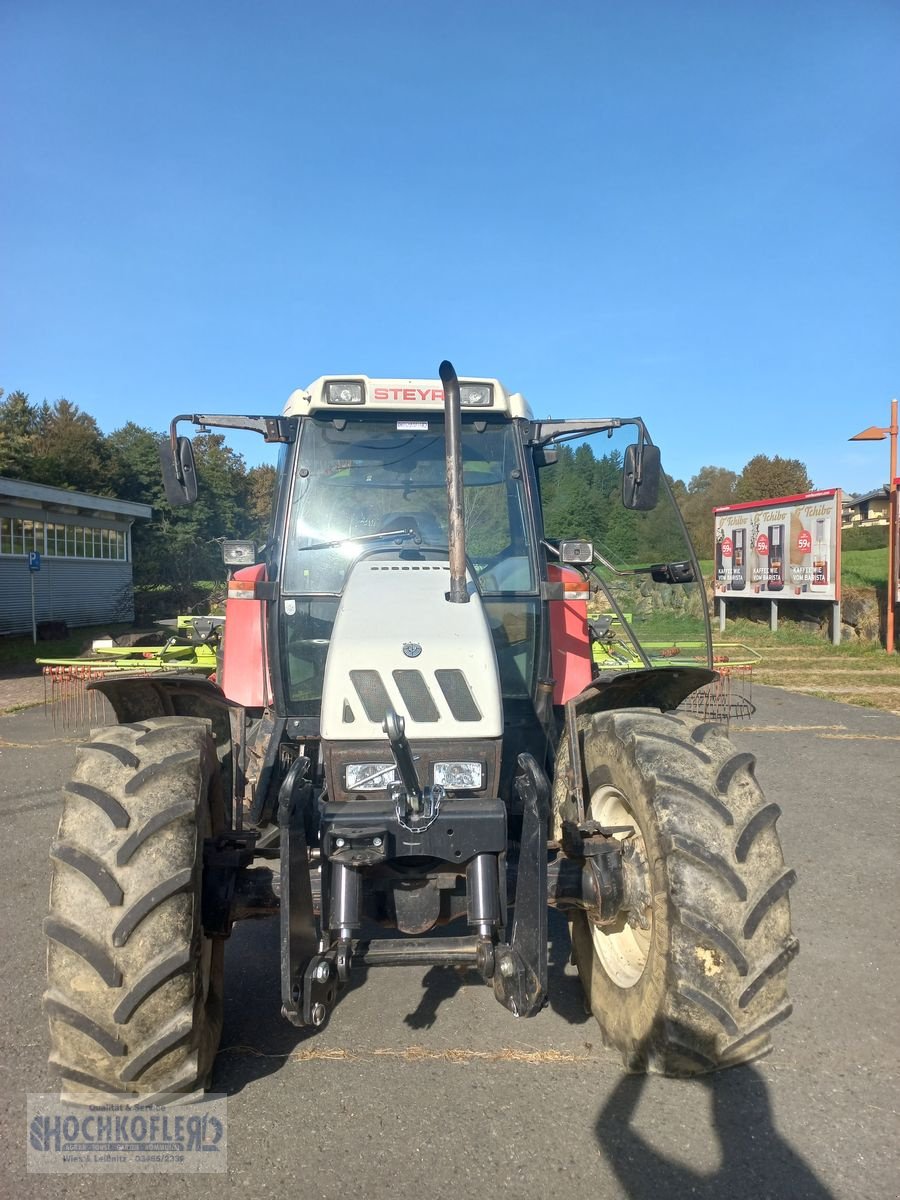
(21, 689)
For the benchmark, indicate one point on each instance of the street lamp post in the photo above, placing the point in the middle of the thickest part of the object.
(877, 433)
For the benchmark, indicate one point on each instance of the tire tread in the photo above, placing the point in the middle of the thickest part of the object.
(720, 890)
(91, 868)
(124, 1002)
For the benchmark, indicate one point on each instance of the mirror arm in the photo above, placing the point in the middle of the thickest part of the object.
(588, 574)
(543, 433)
(273, 429)
(639, 457)
(614, 605)
(615, 570)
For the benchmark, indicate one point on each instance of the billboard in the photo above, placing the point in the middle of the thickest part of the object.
(788, 548)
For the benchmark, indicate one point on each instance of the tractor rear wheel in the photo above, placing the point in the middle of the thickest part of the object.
(692, 978)
(135, 987)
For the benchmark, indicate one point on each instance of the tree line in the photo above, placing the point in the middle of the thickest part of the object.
(712, 487)
(60, 445)
(581, 497)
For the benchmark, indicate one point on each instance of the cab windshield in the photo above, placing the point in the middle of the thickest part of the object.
(375, 484)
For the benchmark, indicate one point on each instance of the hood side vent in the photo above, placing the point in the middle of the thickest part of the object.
(458, 695)
(372, 693)
(416, 696)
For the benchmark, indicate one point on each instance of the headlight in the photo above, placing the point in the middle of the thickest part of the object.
(239, 554)
(476, 395)
(369, 777)
(459, 776)
(344, 392)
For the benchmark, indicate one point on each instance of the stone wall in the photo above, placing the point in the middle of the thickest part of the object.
(862, 613)
(862, 609)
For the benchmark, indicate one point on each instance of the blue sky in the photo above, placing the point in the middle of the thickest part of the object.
(683, 210)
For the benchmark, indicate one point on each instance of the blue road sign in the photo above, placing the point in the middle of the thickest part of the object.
(34, 560)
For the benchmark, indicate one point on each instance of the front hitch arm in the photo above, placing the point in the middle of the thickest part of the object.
(520, 975)
(417, 807)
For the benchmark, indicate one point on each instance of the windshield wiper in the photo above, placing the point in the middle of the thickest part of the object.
(365, 537)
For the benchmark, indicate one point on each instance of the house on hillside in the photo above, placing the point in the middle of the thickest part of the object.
(84, 543)
(862, 511)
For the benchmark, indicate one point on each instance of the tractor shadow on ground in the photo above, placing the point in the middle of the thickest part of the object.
(257, 1040)
(566, 998)
(755, 1159)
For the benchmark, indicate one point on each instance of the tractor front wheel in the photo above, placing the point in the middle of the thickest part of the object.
(135, 987)
(691, 977)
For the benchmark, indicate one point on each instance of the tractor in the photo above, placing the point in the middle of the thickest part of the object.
(431, 722)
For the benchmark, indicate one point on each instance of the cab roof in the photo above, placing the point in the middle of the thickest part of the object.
(336, 392)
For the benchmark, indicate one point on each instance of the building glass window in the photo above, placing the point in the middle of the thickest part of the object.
(20, 535)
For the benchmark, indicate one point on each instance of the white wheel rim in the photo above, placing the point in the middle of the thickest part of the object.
(623, 949)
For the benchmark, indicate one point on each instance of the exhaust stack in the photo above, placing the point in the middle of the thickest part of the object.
(456, 526)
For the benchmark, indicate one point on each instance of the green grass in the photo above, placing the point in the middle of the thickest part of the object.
(758, 635)
(864, 568)
(20, 650)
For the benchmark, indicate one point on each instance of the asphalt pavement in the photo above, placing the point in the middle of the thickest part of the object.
(422, 1085)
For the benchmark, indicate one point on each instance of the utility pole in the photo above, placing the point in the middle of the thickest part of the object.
(877, 433)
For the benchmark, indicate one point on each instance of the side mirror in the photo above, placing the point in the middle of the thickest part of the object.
(179, 475)
(545, 456)
(675, 572)
(640, 476)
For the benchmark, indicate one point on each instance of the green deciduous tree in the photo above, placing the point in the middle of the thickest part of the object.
(62, 446)
(261, 482)
(181, 545)
(764, 478)
(710, 488)
(134, 453)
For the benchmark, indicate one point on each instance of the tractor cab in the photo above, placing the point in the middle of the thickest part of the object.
(367, 483)
(570, 569)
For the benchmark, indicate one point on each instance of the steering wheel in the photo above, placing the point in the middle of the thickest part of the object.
(494, 560)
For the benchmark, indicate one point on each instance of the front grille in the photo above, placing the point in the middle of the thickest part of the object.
(372, 693)
(411, 567)
(459, 698)
(416, 696)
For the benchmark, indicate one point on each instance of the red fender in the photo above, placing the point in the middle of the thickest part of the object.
(570, 648)
(244, 676)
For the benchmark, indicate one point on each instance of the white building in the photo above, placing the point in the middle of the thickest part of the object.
(84, 543)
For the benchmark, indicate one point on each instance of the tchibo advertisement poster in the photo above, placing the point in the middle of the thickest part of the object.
(785, 549)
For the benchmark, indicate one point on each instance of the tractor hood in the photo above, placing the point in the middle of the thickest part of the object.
(398, 643)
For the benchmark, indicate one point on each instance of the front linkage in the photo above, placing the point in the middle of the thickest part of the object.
(593, 869)
(361, 838)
